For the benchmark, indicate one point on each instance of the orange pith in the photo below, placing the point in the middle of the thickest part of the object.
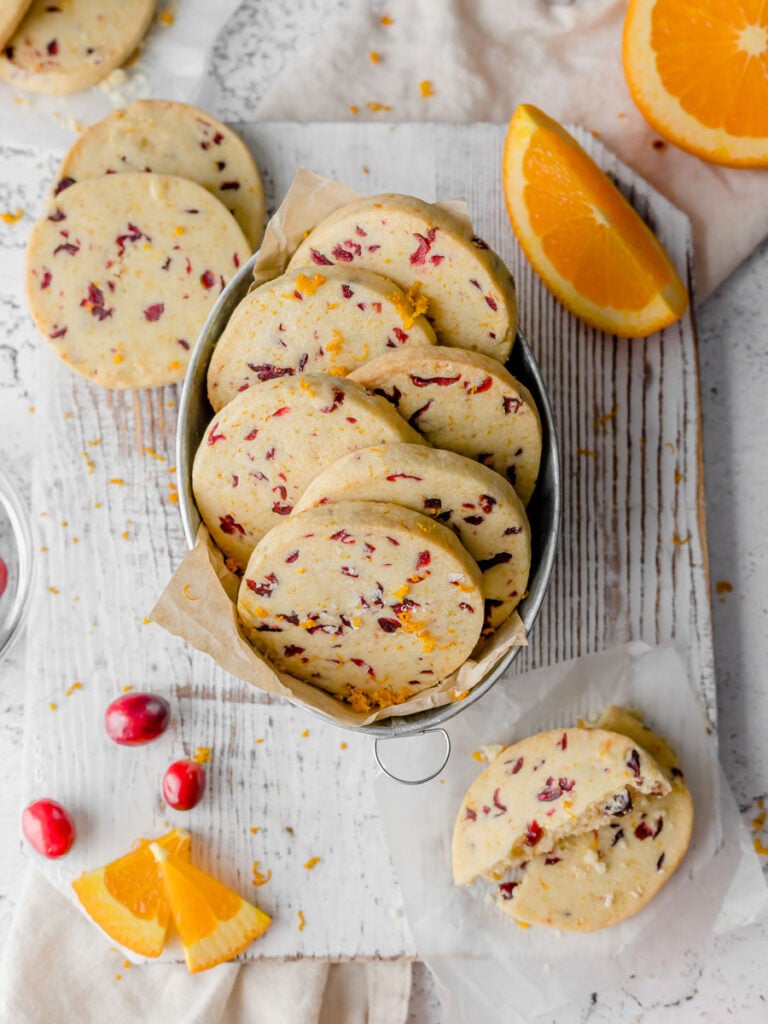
(581, 236)
(213, 922)
(698, 71)
(126, 897)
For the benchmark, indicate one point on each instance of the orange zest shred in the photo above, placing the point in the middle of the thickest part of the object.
(12, 218)
(425, 87)
(311, 863)
(302, 922)
(259, 878)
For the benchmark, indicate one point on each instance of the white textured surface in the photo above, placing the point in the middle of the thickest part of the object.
(734, 365)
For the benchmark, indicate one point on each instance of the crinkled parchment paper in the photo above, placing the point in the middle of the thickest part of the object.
(496, 971)
(170, 64)
(199, 604)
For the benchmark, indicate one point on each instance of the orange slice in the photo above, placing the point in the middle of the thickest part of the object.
(126, 897)
(581, 236)
(214, 923)
(699, 74)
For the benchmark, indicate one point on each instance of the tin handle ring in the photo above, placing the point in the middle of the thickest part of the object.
(426, 778)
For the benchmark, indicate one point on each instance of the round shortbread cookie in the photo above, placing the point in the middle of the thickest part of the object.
(121, 275)
(367, 600)
(599, 878)
(172, 138)
(327, 322)
(467, 403)
(264, 447)
(11, 13)
(469, 292)
(65, 47)
(548, 786)
(474, 501)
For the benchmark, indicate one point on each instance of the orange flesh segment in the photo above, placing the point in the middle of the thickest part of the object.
(717, 64)
(213, 922)
(588, 231)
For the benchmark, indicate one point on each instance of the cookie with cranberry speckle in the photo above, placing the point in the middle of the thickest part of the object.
(596, 879)
(367, 600)
(172, 138)
(123, 271)
(69, 46)
(465, 402)
(463, 287)
(543, 789)
(475, 502)
(264, 447)
(308, 321)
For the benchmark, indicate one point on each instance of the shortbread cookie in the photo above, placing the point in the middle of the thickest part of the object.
(172, 138)
(599, 878)
(467, 403)
(11, 13)
(476, 503)
(122, 273)
(548, 786)
(65, 47)
(469, 293)
(367, 600)
(329, 322)
(264, 447)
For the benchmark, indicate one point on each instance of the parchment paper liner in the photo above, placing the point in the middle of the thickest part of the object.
(498, 972)
(199, 603)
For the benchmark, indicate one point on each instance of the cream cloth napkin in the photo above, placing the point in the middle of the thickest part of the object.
(57, 968)
(482, 58)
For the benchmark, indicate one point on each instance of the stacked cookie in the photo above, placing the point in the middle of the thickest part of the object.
(152, 212)
(578, 828)
(370, 458)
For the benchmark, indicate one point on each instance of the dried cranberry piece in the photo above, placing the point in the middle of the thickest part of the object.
(62, 184)
(552, 860)
(293, 556)
(423, 560)
(394, 398)
(660, 862)
(633, 762)
(154, 312)
(425, 242)
(228, 525)
(319, 259)
(419, 412)
(389, 625)
(266, 371)
(470, 814)
(506, 889)
(551, 792)
(338, 399)
(293, 649)
(69, 247)
(497, 803)
(343, 536)
(491, 302)
(511, 404)
(402, 476)
(442, 382)
(533, 833)
(263, 589)
(516, 766)
(619, 835)
(229, 186)
(207, 279)
(618, 805)
(643, 831)
(282, 510)
(500, 559)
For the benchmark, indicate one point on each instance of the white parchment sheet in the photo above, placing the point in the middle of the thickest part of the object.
(170, 64)
(493, 969)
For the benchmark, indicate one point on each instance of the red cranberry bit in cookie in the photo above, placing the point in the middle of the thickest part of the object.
(419, 257)
(516, 766)
(229, 526)
(136, 718)
(533, 833)
(154, 312)
(643, 831)
(633, 762)
(48, 828)
(512, 404)
(183, 784)
(443, 382)
(550, 792)
(506, 889)
(265, 588)
(207, 279)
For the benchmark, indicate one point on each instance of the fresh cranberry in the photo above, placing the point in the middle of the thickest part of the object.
(183, 784)
(3, 577)
(48, 828)
(136, 718)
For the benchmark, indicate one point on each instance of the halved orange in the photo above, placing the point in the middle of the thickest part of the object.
(698, 71)
(213, 922)
(126, 897)
(584, 240)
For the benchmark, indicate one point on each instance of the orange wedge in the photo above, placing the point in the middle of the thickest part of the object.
(126, 897)
(581, 236)
(699, 74)
(213, 922)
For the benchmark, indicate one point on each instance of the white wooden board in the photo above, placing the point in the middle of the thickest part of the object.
(632, 564)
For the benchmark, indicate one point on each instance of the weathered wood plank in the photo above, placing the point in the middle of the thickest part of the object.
(628, 421)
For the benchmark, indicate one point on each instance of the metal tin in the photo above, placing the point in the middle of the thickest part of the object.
(16, 552)
(544, 510)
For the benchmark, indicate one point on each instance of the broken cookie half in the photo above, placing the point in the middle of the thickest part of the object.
(579, 828)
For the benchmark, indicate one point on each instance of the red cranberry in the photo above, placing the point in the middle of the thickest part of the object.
(183, 784)
(136, 718)
(48, 828)
(3, 577)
